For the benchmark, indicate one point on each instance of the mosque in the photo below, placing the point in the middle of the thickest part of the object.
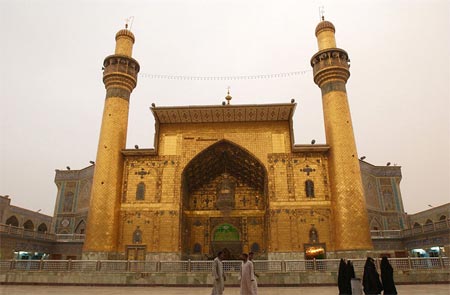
(230, 177)
(226, 176)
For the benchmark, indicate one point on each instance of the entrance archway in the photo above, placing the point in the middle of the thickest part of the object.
(227, 238)
(224, 186)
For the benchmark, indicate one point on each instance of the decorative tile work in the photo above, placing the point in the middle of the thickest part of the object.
(228, 113)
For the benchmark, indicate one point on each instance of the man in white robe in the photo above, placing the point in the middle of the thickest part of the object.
(218, 275)
(247, 277)
(250, 257)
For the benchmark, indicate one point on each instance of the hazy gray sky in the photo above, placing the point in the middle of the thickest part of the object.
(52, 93)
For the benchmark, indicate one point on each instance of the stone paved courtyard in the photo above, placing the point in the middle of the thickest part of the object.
(441, 289)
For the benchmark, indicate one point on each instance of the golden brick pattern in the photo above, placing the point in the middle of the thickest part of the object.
(247, 135)
(159, 228)
(101, 235)
(157, 215)
(331, 71)
(319, 163)
(289, 228)
(278, 143)
(345, 177)
(169, 145)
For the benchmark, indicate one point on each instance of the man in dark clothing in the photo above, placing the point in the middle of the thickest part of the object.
(371, 279)
(387, 277)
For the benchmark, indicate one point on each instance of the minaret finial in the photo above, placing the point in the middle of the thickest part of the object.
(228, 97)
(322, 13)
(129, 21)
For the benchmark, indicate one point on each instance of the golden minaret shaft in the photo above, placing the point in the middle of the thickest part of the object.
(331, 72)
(120, 78)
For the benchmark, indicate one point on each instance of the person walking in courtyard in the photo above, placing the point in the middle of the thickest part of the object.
(250, 257)
(218, 275)
(387, 277)
(343, 280)
(350, 270)
(345, 275)
(247, 277)
(371, 279)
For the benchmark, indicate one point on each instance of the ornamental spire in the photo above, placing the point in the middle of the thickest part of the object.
(228, 97)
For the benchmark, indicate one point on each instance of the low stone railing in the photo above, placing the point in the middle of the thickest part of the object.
(190, 266)
(38, 235)
(26, 233)
(427, 228)
(399, 234)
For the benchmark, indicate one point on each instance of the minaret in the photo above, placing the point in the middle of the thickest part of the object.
(331, 72)
(120, 77)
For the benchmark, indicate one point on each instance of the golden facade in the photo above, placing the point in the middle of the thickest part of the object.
(239, 174)
(226, 176)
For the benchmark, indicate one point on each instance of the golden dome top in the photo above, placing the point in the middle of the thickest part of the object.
(228, 97)
(125, 32)
(324, 25)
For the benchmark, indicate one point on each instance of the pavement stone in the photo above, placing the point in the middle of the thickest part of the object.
(429, 289)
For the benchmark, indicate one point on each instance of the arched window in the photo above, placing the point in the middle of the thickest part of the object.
(12, 221)
(416, 225)
(28, 225)
(137, 236)
(81, 228)
(255, 247)
(375, 224)
(429, 221)
(443, 217)
(42, 228)
(309, 188)
(140, 191)
(313, 235)
(197, 248)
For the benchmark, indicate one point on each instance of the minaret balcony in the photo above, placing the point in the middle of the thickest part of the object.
(120, 71)
(330, 64)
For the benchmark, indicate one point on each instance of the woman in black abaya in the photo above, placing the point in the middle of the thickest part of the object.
(345, 275)
(342, 278)
(387, 277)
(371, 279)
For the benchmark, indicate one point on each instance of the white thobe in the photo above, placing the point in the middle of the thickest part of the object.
(249, 285)
(218, 277)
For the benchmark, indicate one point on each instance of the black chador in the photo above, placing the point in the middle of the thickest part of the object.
(342, 278)
(371, 279)
(387, 277)
(345, 275)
